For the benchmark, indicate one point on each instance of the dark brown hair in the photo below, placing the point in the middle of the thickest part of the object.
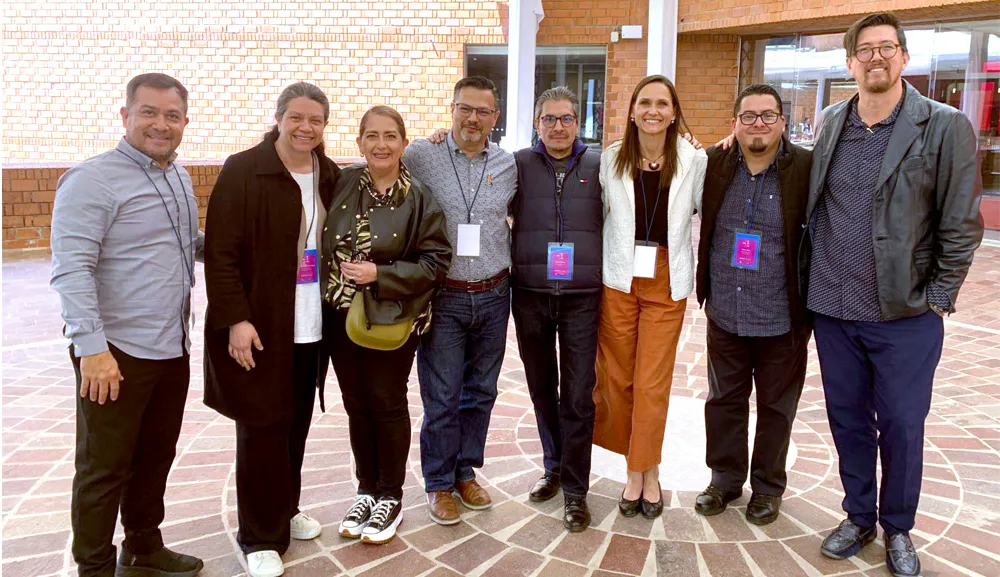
(629, 160)
(154, 80)
(386, 111)
(878, 19)
(479, 83)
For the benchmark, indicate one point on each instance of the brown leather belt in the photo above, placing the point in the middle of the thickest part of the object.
(479, 285)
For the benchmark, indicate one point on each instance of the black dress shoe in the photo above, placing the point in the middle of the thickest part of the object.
(546, 488)
(629, 508)
(577, 517)
(847, 539)
(160, 563)
(900, 556)
(653, 510)
(763, 509)
(713, 500)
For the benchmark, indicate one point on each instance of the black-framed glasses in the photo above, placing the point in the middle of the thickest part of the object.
(549, 121)
(749, 118)
(887, 51)
(466, 110)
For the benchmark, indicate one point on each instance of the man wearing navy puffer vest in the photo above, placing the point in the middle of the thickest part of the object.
(556, 280)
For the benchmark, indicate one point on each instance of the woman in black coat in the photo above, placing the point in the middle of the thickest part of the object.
(263, 328)
(384, 244)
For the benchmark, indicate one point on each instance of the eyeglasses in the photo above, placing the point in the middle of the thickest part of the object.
(466, 110)
(866, 54)
(549, 121)
(749, 118)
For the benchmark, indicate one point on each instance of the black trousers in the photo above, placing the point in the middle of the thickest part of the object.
(124, 450)
(374, 384)
(777, 367)
(564, 411)
(269, 464)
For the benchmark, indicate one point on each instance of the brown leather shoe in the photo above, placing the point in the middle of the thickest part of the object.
(472, 495)
(443, 508)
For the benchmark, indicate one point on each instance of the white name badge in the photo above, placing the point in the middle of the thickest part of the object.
(644, 262)
(468, 240)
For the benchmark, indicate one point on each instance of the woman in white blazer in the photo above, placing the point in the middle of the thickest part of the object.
(652, 180)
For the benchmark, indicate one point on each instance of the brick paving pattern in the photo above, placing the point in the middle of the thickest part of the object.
(957, 531)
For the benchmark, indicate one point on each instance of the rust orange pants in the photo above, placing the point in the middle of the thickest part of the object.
(636, 350)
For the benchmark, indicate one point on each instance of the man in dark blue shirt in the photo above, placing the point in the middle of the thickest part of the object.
(753, 213)
(893, 217)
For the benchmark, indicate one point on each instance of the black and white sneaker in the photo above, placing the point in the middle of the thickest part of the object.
(386, 516)
(357, 516)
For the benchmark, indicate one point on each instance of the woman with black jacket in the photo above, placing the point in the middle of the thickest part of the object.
(385, 252)
(263, 329)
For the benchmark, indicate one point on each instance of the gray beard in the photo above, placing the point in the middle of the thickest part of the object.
(461, 134)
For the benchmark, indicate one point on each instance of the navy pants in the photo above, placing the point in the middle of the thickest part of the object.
(878, 379)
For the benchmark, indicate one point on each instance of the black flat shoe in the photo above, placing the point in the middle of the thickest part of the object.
(577, 514)
(161, 563)
(763, 509)
(546, 488)
(629, 508)
(653, 510)
(847, 539)
(714, 500)
(900, 556)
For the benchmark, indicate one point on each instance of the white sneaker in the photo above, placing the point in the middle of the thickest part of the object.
(264, 564)
(305, 527)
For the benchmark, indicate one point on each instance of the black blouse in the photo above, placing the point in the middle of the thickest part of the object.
(651, 208)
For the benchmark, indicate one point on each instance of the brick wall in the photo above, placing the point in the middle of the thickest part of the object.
(706, 81)
(67, 62)
(28, 194)
(777, 17)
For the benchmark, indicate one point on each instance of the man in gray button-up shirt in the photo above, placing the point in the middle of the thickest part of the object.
(124, 239)
(459, 359)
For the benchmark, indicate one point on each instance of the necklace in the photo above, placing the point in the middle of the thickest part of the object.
(653, 165)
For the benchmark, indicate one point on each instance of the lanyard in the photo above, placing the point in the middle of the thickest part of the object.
(645, 205)
(753, 201)
(176, 227)
(461, 189)
(315, 196)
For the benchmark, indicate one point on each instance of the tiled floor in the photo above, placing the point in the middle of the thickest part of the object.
(958, 528)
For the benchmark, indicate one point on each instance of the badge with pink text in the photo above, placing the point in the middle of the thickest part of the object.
(308, 268)
(560, 261)
(746, 250)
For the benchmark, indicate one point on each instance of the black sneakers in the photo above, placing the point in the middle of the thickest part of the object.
(385, 517)
(357, 517)
(160, 563)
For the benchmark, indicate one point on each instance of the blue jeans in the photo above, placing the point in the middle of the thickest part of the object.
(458, 362)
(878, 379)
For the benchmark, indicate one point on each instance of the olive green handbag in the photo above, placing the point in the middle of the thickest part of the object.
(378, 337)
(360, 329)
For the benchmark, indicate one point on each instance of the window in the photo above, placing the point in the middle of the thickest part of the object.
(581, 68)
(954, 63)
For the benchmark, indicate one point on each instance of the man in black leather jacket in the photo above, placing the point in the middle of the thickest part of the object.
(893, 222)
